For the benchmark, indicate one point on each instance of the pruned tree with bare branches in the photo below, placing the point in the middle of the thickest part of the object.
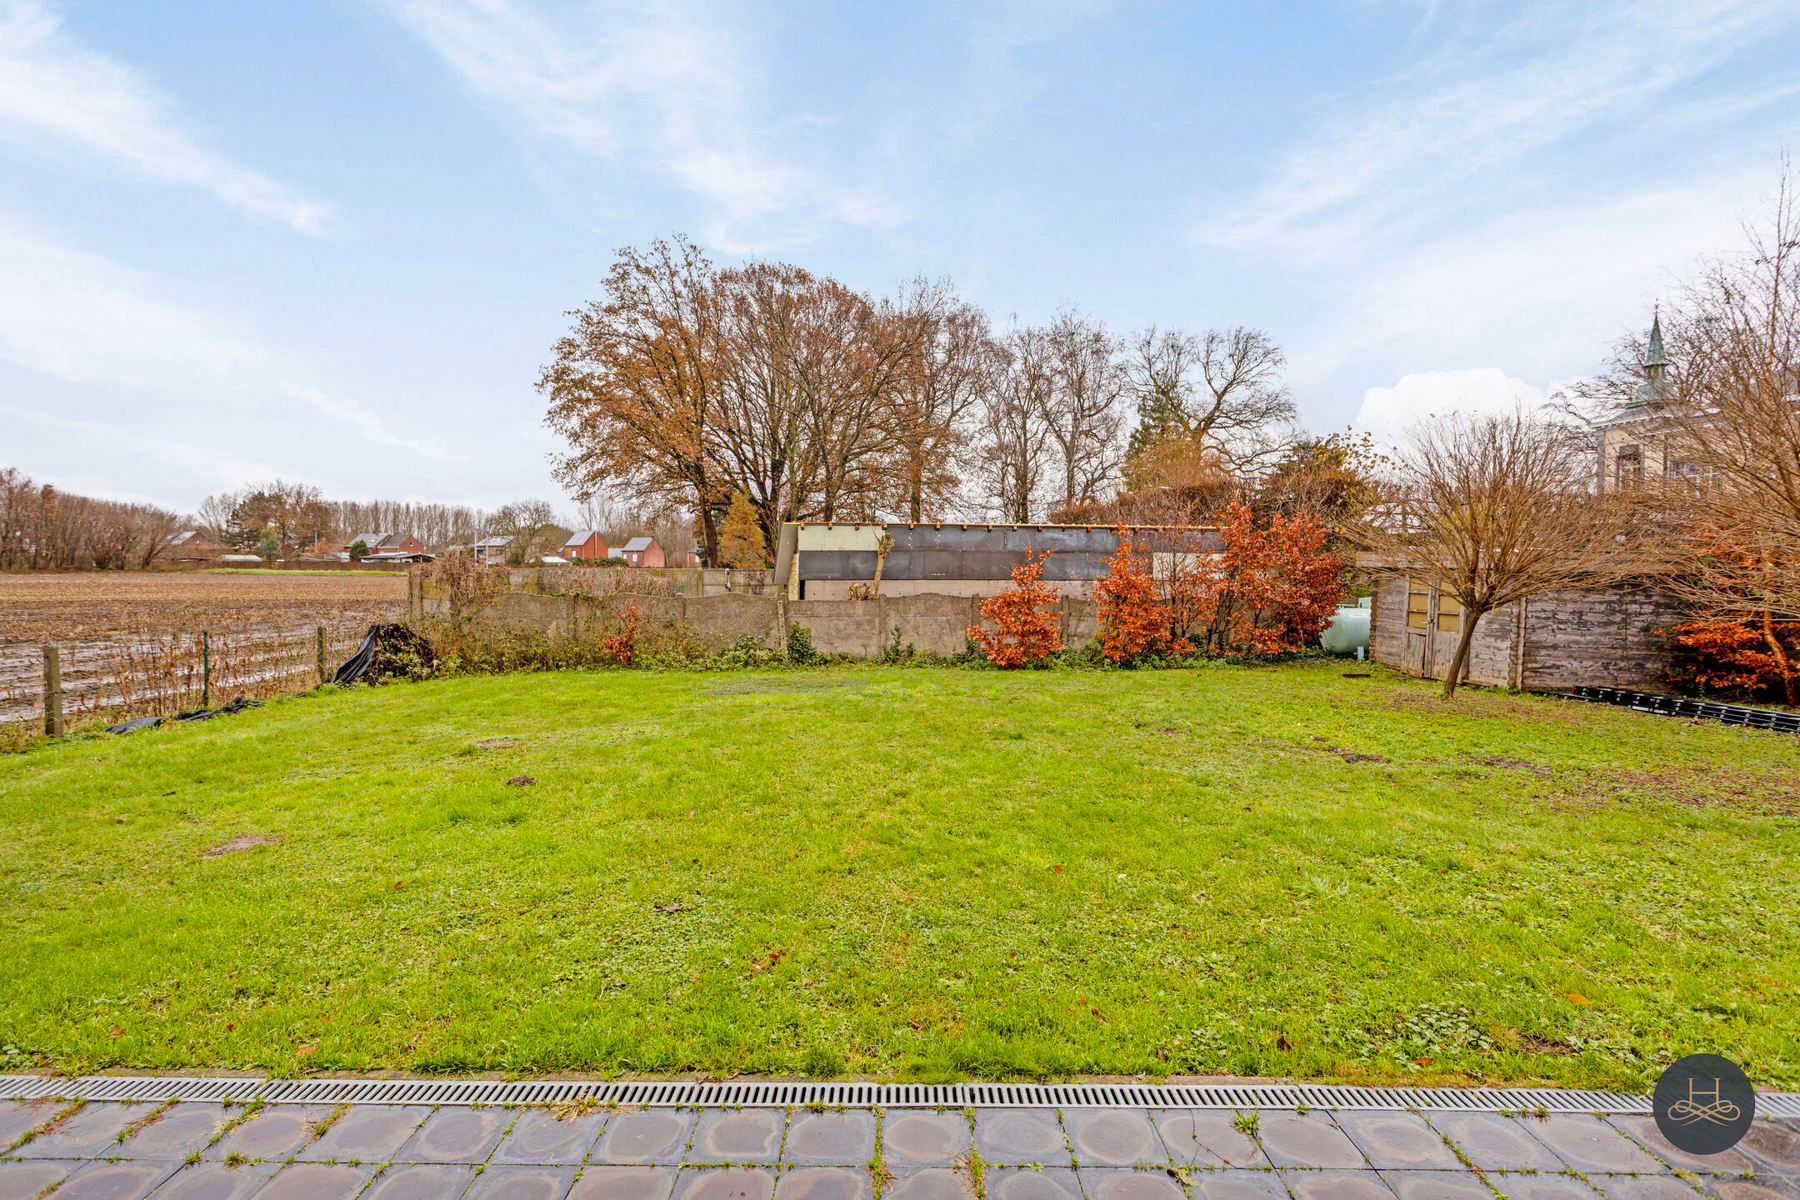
(1491, 510)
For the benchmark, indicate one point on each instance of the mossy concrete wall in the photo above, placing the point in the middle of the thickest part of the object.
(930, 623)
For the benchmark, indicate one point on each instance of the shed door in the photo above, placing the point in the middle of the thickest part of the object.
(1418, 629)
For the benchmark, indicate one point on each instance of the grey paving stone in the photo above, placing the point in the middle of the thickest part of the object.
(655, 1136)
(1763, 1188)
(1588, 1143)
(1643, 1187)
(1103, 1184)
(91, 1131)
(1207, 1139)
(421, 1181)
(539, 1136)
(1293, 1139)
(830, 1139)
(929, 1183)
(20, 1117)
(749, 1135)
(1237, 1185)
(179, 1132)
(457, 1135)
(24, 1180)
(1337, 1185)
(1437, 1185)
(115, 1180)
(1398, 1141)
(1020, 1135)
(316, 1181)
(214, 1181)
(725, 1183)
(1022, 1183)
(367, 1133)
(529, 1183)
(1774, 1144)
(1106, 1137)
(1496, 1143)
(910, 1140)
(1644, 1132)
(274, 1133)
(1520, 1186)
(624, 1183)
(824, 1183)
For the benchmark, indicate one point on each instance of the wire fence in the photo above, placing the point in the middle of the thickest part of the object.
(115, 679)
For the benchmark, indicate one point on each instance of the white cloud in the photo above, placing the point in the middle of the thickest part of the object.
(82, 318)
(55, 91)
(1380, 165)
(1389, 412)
(1545, 291)
(656, 81)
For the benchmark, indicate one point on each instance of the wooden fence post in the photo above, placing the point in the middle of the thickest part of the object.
(205, 668)
(53, 699)
(323, 678)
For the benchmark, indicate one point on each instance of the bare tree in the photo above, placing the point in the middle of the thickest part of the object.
(1081, 409)
(953, 362)
(1220, 392)
(1013, 441)
(1493, 509)
(1735, 446)
(633, 386)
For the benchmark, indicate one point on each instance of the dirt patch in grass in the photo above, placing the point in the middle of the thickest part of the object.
(1320, 746)
(1533, 1044)
(498, 743)
(1513, 764)
(238, 845)
(1773, 792)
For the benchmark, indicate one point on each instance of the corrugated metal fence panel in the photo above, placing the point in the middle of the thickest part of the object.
(767, 1094)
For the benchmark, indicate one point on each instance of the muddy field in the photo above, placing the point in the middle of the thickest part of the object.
(130, 640)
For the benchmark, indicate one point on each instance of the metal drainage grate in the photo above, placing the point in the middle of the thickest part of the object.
(653, 1094)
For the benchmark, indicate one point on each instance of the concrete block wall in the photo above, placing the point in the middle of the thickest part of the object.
(935, 624)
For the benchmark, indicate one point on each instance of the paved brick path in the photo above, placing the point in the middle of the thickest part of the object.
(195, 1151)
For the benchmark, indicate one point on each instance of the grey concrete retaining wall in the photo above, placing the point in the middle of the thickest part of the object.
(933, 624)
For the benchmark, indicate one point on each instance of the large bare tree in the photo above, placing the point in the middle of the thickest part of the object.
(1081, 409)
(1013, 443)
(954, 361)
(1219, 392)
(1491, 510)
(634, 386)
(1736, 419)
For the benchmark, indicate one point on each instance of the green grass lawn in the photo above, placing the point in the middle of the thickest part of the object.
(913, 873)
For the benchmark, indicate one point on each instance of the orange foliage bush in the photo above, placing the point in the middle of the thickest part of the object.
(1271, 591)
(1747, 659)
(622, 646)
(1024, 632)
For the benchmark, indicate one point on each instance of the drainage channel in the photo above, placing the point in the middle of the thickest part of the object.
(771, 1094)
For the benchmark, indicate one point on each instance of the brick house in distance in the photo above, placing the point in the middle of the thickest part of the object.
(642, 552)
(585, 544)
(190, 545)
(388, 543)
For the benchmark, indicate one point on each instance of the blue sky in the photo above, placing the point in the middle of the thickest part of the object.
(333, 241)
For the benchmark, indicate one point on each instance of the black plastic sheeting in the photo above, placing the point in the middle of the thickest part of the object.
(198, 714)
(387, 652)
(1682, 706)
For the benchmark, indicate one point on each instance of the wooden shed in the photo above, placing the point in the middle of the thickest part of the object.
(1609, 637)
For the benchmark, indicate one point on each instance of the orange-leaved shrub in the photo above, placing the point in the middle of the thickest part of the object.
(622, 646)
(1026, 617)
(1271, 590)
